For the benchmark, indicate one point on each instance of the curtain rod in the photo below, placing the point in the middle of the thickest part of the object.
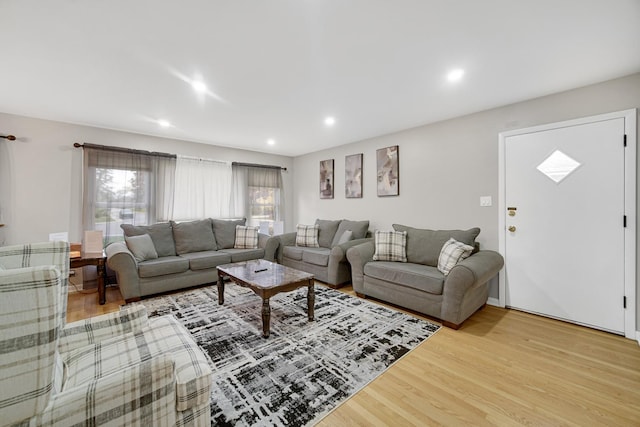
(254, 165)
(158, 154)
(123, 150)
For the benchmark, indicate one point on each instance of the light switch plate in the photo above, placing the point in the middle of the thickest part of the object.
(485, 201)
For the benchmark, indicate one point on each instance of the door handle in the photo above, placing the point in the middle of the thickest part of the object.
(512, 228)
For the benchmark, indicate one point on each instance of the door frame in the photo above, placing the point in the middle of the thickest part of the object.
(629, 117)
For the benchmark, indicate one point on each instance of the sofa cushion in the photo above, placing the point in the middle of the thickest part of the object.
(141, 247)
(293, 252)
(416, 276)
(326, 231)
(346, 236)
(359, 229)
(206, 259)
(160, 233)
(225, 231)
(163, 266)
(246, 237)
(423, 246)
(238, 255)
(316, 256)
(307, 235)
(452, 252)
(390, 246)
(193, 236)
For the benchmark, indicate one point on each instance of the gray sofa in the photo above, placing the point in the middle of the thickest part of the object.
(187, 255)
(418, 284)
(328, 262)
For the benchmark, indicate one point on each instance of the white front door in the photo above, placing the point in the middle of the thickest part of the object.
(563, 214)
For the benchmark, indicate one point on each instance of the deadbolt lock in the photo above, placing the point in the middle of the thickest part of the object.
(512, 228)
(512, 211)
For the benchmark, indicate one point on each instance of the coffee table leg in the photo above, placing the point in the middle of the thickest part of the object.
(266, 318)
(311, 300)
(220, 289)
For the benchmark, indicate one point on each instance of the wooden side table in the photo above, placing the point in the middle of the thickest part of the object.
(100, 261)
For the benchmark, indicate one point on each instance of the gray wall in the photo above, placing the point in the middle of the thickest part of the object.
(445, 167)
(41, 173)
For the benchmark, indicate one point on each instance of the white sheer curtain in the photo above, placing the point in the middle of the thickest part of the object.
(202, 189)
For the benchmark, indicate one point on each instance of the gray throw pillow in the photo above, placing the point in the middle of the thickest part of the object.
(359, 229)
(160, 233)
(326, 231)
(346, 236)
(225, 231)
(141, 247)
(193, 236)
(423, 246)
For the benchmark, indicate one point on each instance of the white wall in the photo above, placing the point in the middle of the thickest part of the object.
(445, 167)
(41, 173)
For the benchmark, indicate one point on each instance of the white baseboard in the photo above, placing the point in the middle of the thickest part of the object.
(494, 301)
(638, 337)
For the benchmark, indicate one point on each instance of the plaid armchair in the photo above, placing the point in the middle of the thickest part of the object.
(116, 369)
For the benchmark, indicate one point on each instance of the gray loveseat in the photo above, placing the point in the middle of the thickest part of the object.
(418, 284)
(187, 255)
(327, 262)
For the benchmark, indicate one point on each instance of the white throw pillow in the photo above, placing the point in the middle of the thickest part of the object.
(141, 247)
(246, 237)
(307, 235)
(390, 246)
(452, 252)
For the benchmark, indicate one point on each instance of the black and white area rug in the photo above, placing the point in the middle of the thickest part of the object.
(304, 369)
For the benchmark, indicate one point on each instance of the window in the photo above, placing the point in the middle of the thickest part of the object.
(263, 203)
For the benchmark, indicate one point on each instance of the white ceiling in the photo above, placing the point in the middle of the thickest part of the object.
(277, 68)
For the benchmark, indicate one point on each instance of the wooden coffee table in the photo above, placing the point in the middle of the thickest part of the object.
(266, 279)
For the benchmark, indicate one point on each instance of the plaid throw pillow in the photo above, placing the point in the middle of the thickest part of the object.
(307, 235)
(390, 246)
(452, 252)
(246, 237)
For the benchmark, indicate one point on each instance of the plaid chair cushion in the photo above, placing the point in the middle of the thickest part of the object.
(30, 317)
(452, 252)
(129, 319)
(165, 335)
(246, 237)
(307, 235)
(390, 246)
(143, 394)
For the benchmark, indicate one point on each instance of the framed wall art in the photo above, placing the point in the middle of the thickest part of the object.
(326, 179)
(353, 176)
(388, 171)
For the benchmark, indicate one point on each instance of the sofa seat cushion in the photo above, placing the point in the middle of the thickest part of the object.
(239, 255)
(165, 335)
(206, 259)
(316, 256)
(293, 252)
(163, 266)
(417, 276)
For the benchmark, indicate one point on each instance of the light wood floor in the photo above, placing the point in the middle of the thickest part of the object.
(502, 367)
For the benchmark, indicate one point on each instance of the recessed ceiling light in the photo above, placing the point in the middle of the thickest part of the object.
(455, 75)
(271, 141)
(199, 86)
(164, 123)
(329, 121)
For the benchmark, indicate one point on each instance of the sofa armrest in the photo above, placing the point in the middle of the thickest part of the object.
(121, 260)
(151, 385)
(476, 270)
(130, 319)
(287, 239)
(337, 255)
(270, 245)
(358, 256)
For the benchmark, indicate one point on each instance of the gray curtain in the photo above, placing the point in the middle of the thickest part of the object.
(122, 187)
(257, 194)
